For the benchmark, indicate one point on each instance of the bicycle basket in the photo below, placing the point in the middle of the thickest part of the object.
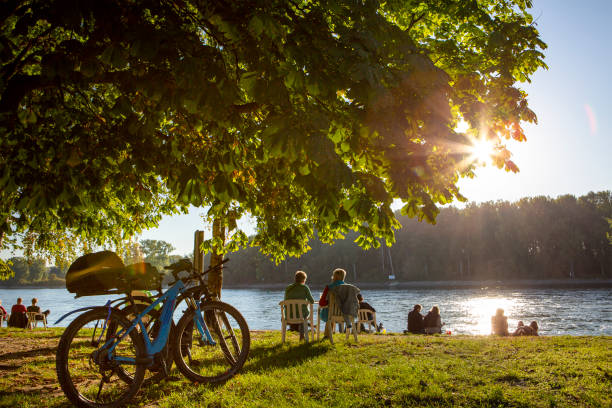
(104, 272)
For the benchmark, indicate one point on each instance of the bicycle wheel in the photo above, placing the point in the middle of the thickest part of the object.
(86, 374)
(202, 362)
(156, 372)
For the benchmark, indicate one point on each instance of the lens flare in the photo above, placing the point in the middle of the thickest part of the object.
(592, 119)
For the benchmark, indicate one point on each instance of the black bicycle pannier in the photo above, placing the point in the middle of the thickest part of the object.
(104, 272)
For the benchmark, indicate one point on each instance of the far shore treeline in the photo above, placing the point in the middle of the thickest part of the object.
(533, 238)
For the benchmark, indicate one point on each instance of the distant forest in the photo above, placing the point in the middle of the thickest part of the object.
(534, 238)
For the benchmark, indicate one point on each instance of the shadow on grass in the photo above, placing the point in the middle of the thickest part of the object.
(263, 358)
(28, 353)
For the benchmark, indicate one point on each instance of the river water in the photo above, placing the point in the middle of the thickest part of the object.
(465, 311)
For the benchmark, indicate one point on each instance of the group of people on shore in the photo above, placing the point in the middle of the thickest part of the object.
(18, 316)
(431, 323)
(499, 326)
(351, 300)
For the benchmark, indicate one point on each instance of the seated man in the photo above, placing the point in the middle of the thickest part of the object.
(299, 290)
(35, 308)
(366, 306)
(18, 315)
(415, 321)
(499, 323)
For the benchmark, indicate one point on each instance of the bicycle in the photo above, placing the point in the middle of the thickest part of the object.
(106, 368)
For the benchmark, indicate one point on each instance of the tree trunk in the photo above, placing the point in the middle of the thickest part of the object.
(215, 278)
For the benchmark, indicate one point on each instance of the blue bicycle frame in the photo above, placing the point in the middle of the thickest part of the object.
(158, 344)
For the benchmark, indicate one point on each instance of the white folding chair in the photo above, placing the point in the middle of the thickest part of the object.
(34, 318)
(335, 316)
(292, 312)
(366, 316)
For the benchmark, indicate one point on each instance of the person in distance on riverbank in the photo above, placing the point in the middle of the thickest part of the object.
(337, 279)
(366, 306)
(3, 312)
(299, 290)
(499, 323)
(35, 308)
(522, 330)
(18, 315)
(432, 321)
(415, 320)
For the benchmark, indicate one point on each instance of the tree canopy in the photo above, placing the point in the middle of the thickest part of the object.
(304, 114)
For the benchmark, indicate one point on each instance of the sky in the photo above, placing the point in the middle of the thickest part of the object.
(569, 151)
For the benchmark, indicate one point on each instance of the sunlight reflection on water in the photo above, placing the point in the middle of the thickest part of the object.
(465, 311)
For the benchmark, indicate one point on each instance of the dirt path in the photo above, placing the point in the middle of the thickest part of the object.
(28, 365)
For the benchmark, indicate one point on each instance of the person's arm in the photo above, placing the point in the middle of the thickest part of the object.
(323, 299)
(309, 295)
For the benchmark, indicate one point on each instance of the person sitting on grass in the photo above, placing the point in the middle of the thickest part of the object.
(522, 330)
(499, 323)
(299, 290)
(415, 321)
(432, 321)
(36, 309)
(18, 315)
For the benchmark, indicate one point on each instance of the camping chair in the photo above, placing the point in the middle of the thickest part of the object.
(335, 316)
(34, 318)
(4, 317)
(292, 313)
(366, 316)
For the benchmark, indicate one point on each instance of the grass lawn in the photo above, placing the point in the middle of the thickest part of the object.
(379, 371)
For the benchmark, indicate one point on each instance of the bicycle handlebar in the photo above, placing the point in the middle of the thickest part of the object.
(187, 265)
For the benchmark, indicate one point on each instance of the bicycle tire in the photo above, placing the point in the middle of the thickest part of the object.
(205, 363)
(78, 367)
(153, 326)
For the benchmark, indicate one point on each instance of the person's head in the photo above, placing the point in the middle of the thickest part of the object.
(339, 274)
(359, 297)
(417, 308)
(499, 312)
(300, 277)
(435, 310)
(19, 300)
(34, 301)
(520, 323)
(534, 326)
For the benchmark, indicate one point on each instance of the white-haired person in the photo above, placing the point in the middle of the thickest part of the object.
(299, 290)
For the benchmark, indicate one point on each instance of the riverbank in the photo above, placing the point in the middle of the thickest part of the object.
(380, 370)
(452, 284)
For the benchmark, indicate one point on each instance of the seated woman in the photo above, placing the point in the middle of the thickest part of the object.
(337, 280)
(432, 321)
(499, 323)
